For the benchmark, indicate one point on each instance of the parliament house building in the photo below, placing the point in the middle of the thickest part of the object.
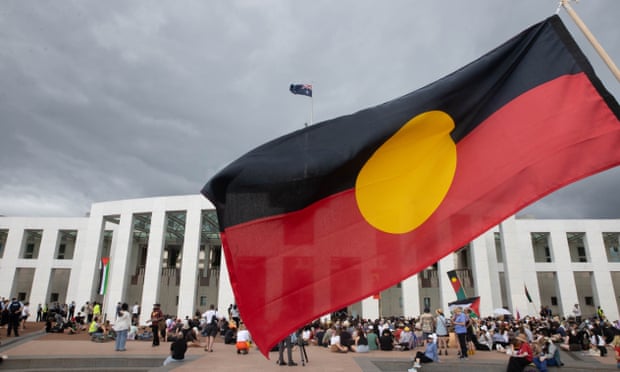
(167, 250)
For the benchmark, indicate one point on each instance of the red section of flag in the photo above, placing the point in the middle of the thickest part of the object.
(507, 162)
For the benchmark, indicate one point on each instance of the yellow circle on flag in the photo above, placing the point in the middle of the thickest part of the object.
(407, 178)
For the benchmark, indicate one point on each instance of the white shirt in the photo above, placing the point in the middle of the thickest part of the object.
(243, 335)
(209, 314)
(335, 340)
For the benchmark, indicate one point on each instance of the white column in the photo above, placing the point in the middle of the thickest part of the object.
(370, 308)
(485, 280)
(80, 244)
(82, 287)
(411, 296)
(519, 265)
(9, 259)
(43, 270)
(446, 291)
(225, 294)
(191, 248)
(602, 286)
(564, 271)
(152, 271)
(119, 257)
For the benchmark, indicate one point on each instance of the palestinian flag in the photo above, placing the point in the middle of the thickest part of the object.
(341, 210)
(103, 275)
(527, 294)
(472, 303)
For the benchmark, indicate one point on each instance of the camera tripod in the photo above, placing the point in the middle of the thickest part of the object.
(302, 350)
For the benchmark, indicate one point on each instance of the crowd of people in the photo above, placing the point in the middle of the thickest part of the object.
(531, 341)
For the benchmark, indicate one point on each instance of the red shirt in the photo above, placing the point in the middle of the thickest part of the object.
(525, 348)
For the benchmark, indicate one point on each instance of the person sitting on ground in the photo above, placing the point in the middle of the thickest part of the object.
(177, 351)
(386, 341)
(191, 336)
(133, 332)
(522, 356)
(96, 329)
(243, 340)
(485, 341)
(79, 320)
(346, 338)
(539, 357)
(406, 339)
(360, 341)
(552, 353)
(230, 337)
(334, 343)
(373, 338)
(430, 353)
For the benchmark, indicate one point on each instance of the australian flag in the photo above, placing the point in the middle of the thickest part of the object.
(305, 89)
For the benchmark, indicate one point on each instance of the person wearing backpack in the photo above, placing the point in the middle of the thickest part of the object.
(15, 312)
(211, 327)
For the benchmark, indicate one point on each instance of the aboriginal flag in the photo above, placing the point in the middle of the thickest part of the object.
(456, 285)
(338, 211)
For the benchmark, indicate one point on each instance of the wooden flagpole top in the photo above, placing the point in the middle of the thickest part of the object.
(597, 46)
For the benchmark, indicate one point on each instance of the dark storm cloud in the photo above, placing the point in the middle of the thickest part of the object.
(112, 100)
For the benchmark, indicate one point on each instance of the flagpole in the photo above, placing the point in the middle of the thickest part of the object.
(597, 46)
(312, 107)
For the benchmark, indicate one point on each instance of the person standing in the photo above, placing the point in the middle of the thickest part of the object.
(25, 314)
(15, 312)
(121, 327)
(71, 312)
(97, 309)
(156, 316)
(39, 313)
(234, 315)
(441, 329)
(460, 328)
(427, 322)
(288, 344)
(577, 313)
(135, 314)
(211, 327)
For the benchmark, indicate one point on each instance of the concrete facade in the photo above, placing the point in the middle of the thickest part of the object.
(167, 250)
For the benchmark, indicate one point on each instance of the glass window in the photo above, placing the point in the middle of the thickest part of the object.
(540, 245)
(577, 246)
(612, 246)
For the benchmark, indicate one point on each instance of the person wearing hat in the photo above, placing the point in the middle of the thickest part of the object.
(406, 339)
(523, 355)
(430, 352)
(373, 338)
(157, 316)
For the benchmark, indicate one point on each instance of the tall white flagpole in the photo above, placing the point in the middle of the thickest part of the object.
(312, 107)
(597, 46)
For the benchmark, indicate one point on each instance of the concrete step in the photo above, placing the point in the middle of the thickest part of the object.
(103, 363)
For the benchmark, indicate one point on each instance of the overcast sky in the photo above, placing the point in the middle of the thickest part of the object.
(110, 100)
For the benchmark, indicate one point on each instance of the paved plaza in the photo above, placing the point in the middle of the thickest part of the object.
(35, 350)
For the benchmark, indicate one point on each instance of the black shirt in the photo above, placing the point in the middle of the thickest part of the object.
(178, 349)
